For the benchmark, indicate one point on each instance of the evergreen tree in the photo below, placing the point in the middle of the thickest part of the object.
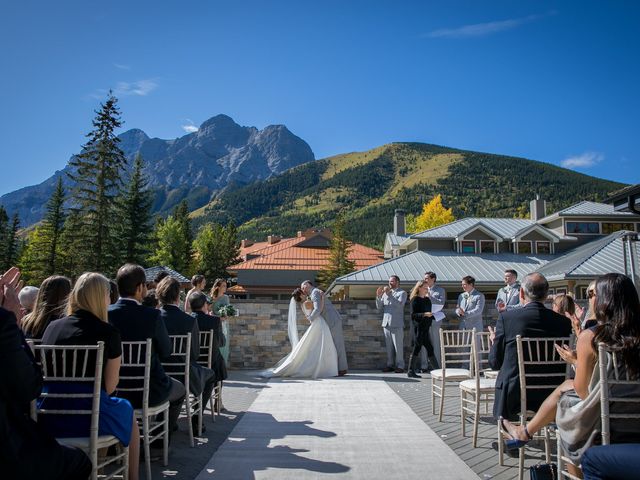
(97, 173)
(135, 213)
(11, 243)
(43, 253)
(339, 263)
(181, 213)
(216, 249)
(433, 215)
(172, 249)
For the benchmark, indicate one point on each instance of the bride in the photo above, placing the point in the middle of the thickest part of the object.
(314, 355)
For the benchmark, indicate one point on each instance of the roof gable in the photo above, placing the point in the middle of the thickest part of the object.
(502, 227)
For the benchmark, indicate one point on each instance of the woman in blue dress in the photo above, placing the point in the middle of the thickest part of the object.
(86, 323)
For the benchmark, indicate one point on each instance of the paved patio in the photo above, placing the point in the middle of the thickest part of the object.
(366, 425)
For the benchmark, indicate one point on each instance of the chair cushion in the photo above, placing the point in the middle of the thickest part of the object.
(491, 373)
(485, 384)
(452, 373)
(83, 442)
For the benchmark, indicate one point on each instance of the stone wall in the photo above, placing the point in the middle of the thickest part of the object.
(259, 338)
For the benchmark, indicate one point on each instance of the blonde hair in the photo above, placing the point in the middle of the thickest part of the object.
(90, 293)
(416, 287)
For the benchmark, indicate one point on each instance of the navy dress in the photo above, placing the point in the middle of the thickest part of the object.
(116, 414)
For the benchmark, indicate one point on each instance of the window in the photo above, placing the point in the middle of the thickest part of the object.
(561, 291)
(583, 292)
(608, 228)
(524, 247)
(552, 291)
(469, 247)
(543, 247)
(589, 228)
(487, 246)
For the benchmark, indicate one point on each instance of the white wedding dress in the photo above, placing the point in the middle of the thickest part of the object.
(313, 356)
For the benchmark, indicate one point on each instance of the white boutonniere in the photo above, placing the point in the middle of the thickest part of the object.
(465, 295)
(507, 289)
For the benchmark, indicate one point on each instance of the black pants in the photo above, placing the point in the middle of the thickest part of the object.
(422, 337)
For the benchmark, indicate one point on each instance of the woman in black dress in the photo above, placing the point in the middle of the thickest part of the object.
(421, 318)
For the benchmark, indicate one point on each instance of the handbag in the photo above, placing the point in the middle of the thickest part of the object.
(543, 471)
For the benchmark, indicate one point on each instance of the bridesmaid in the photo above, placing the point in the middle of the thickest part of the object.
(218, 299)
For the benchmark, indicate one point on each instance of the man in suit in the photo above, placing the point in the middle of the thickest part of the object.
(438, 297)
(201, 379)
(509, 296)
(390, 300)
(470, 305)
(136, 323)
(322, 306)
(532, 320)
(27, 451)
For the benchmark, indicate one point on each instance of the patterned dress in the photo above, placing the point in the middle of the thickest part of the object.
(223, 300)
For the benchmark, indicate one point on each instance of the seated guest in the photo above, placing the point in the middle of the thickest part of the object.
(150, 300)
(201, 379)
(137, 323)
(611, 462)
(210, 322)
(198, 283)
(28, 451)
(532, 320)
(114, 294)
(575, 405)
(565, 305)
(50, 305)
(87, 324)
(27, 297)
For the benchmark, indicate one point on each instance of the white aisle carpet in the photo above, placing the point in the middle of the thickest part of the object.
(351, 427)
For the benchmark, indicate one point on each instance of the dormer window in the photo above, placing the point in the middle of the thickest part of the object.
(524, 247)
(487, 246)
(468, 246)
(543, 248)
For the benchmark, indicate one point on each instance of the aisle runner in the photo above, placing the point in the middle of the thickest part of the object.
(351, 427)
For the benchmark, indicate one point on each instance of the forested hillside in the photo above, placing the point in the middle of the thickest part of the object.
(370, 185)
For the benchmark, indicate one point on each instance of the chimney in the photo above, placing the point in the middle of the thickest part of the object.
(399, 224)
(246, 243)
(537, 208)
(299, 233)
(271, 239)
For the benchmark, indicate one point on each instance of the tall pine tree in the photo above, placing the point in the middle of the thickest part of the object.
(135, 214)
(43, 253)
(97, 173)
(9, 241)
(339, 262)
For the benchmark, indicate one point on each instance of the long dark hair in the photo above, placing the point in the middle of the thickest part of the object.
(297, 294)
(617, 309)
(50, 305)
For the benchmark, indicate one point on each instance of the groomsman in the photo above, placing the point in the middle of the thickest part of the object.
(438, 297)
(470, 305)
(509, 296)
(390, 300)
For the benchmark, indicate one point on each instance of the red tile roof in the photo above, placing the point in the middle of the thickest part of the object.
(288, 255)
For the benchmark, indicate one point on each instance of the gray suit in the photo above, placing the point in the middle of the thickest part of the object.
(323, 306)
(438, 297)
(392, 306)
(510, 296)
(473, 306)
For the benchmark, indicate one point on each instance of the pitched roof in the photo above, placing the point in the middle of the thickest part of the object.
(504, 227)
(449, 266)
(396, 240)
(152, 272)
(287, 254)
(604, 255)
(593, 209)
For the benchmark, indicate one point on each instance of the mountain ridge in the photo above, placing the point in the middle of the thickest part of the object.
(192, 167)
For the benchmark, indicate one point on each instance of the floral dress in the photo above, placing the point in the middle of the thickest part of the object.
(223, 300)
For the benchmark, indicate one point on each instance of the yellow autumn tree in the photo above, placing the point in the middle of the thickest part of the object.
(433, 215)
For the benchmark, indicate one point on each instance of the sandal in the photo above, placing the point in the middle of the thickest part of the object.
(514, 443)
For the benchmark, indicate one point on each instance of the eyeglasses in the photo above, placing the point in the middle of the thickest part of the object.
(591, 293)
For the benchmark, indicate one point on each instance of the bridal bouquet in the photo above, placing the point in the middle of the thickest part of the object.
(227, 311)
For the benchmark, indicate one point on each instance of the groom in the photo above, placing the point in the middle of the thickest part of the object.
(333, 319)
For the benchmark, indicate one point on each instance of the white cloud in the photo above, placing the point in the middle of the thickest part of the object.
(141, 88)
(189, 127)
(484, 29)
(122, 66)
(584, 160)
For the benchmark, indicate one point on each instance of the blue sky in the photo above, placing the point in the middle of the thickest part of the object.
(550, 81)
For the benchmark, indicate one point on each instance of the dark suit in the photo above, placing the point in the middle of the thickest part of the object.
(27, 451)
(532, 320)
(137, 323)
(201, 379)
(212, 322)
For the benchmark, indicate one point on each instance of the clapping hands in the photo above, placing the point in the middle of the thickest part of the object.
(10, 285)
(492, 334)
(382, 290)
(568, 355)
